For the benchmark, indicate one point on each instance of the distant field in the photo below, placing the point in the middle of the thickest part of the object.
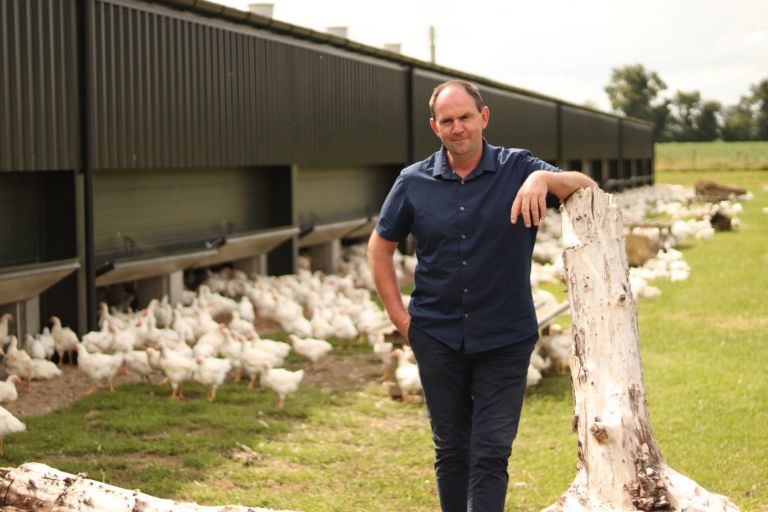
(685, 156)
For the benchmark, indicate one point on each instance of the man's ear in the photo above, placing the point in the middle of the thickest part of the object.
(433, 124)
(485, 113)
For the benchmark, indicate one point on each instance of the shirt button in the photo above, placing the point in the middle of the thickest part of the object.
(466, 290)
(463, 262)
(462, 182)
(463, 236)
(461, 208)
(466, 315)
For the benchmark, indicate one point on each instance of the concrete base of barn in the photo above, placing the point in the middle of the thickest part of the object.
(620, 466)
(36, 486)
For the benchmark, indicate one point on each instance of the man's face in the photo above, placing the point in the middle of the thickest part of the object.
(458, 123)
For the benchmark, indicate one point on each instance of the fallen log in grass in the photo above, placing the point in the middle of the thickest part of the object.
(620, 466)
(35, 486)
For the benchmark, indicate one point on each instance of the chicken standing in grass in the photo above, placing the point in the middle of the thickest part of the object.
(211, 372)
(311, 348)
(9, 424)
(283, 382)
(252, 358)
(558, 348)
(137, 362)
(177, 367)
(98, 367)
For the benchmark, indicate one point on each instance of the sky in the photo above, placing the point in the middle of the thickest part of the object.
(563, 48)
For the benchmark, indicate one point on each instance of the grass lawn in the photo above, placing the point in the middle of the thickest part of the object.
(696, 156)
(704, 345)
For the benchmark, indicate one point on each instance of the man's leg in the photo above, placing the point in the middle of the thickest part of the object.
(445, 377)
(498, 388)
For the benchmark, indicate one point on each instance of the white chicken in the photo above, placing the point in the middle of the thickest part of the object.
(253, 356)
(183, 326)
(211, 372)
(383, 351)
(18, 362)
(105, 317)
(98, 341)
(65, 340)
(137, 361)
(162, 311)
(246, 310)
(8, 391)
(343, 326)
(311, 348)
(48, 343)
(42, 369)
(230, 349)
(532, 378)
(407, 376)
(9, 424)
(239, 324)
(558, 348)
(98, 367)
(321, 327)
(283, 382)
(34, 347)
(179, 368)
(5, 321)
(279, 348)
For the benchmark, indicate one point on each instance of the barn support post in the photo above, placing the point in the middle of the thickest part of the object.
(255, 266)
(325, 257)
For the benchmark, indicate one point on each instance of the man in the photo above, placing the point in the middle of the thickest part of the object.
(471, 320)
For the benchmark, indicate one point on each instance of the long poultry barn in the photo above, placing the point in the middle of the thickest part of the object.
(142, 141)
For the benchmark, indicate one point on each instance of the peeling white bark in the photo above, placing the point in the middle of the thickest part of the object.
(620, 466)
(35, 486)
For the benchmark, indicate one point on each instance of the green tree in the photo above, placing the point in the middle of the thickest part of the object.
(693, 119)
(739, 121)
(685, 110)
(634, 91)
(661, 120)
(760, 105)
(708, 123)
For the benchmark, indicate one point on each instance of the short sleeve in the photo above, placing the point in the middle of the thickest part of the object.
(396, 215)
(536, 164)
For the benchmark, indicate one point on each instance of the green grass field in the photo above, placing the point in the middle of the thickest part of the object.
(695, 156)
(704, 345)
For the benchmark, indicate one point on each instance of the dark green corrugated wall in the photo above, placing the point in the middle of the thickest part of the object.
(140, 212)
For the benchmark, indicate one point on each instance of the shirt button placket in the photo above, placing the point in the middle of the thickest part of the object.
(462, 246)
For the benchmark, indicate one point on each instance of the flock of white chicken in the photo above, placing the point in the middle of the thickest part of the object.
(211, 336)
(688, 219)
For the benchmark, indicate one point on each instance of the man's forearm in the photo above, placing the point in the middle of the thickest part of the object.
(382, 270)
(563, 184)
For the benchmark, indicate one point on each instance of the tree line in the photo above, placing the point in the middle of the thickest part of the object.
(635, 91)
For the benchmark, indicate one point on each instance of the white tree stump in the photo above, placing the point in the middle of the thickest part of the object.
(36, 486)
(619, 466)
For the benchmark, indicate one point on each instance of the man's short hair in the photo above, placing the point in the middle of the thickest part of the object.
(470, 89)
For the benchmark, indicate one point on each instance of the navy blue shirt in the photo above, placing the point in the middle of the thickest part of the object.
(472, 285)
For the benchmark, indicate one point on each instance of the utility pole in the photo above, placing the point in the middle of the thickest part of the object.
(432, 44)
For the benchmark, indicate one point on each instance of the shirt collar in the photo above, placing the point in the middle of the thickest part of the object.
(443, 169)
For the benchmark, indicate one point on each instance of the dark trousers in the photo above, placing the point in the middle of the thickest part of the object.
(474, 402)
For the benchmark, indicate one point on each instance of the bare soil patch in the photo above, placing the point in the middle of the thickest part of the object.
(49, 395)
(347, 371)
